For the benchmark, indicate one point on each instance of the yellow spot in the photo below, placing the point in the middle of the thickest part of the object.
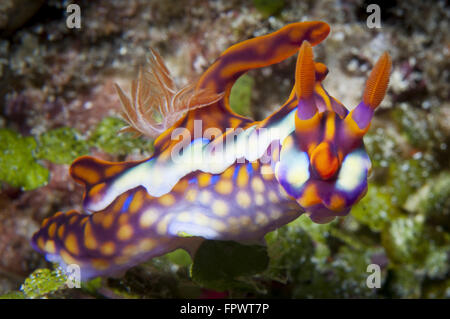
(148, 218)
(228, 173)
(220, 208)
(224, 187)
(205, 197)
(259, 199)
(113, 170)
(137, 202)
(273, 197)
(242, 178)
(255, 165)
(89, 240)
(125, 232)
(184, 217)
(261, 219)
(191, 195)
(147, 244)
(89, 175)
(71, 244)
(167, 200)
(61, 231)
(108, 248)
(204, 179)
(50, 247)
(52, 230)
(41, 243)
(119, 203)
(201, 219)
(99, 264)
(57, 214)
(161, 228)
(267, 172)
(257, 185)
(243, 199)
(68, 259)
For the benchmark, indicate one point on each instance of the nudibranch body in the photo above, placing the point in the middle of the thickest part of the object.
(215, 174)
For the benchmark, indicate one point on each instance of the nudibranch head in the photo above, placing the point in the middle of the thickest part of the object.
(323, 164)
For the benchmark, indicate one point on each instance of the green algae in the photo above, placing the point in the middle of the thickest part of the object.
(269, 7)
(241, 94)
(43, 282)
(18, 163)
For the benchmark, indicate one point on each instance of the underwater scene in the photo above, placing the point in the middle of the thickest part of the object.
(212, 149)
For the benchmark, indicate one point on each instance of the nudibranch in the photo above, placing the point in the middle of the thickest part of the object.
(215, 174)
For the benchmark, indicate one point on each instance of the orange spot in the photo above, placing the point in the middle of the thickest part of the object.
(125, 232)
(167, 200)
(100, 264)
(242, 178)
(94, 191)
(71, 244)
(228, 173)
(108, 221)
(113, 170)
(52, 230)
(68, 259)
(50, 247)
(41, 243)
(83, 173)
(89, 239)
(45, 222)
(378, 81)
(123, 219)
(309, 125)
(72, 220)
(61, 231)
(204, 179)
(108, 248)
(119, 203)
(137, 202)
(336, 203)
(224, 187)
